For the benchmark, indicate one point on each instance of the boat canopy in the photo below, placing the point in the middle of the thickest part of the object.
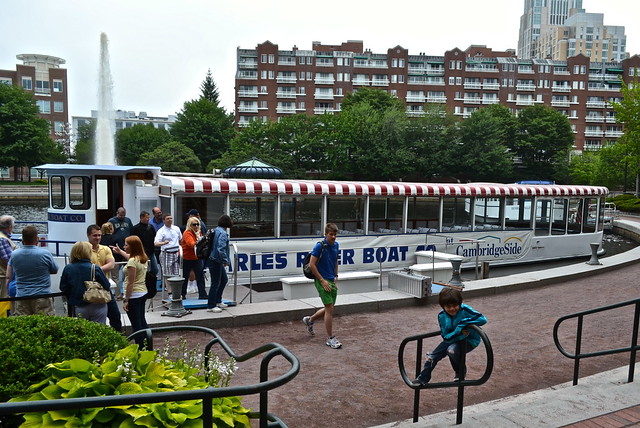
(200, 184)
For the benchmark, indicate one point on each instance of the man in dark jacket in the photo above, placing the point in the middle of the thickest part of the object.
(147, 234)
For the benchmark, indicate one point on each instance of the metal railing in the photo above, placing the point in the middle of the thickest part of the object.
(632, 349)
(461, 375)
(207, 395)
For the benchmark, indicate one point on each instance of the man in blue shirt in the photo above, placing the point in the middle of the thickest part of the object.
(33, 267)
(324, 265)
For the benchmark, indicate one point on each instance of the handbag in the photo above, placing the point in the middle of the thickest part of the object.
(95, 292)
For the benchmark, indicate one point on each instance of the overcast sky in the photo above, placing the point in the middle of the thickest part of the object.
(160, 50)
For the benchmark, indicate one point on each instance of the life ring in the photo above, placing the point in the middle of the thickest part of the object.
(43, 242)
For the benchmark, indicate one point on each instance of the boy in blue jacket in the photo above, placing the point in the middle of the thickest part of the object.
(453, 318)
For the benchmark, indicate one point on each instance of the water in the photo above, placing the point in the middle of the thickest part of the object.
(105, 128)
(33, 210)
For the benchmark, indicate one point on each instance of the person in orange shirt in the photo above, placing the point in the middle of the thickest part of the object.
(189, 259)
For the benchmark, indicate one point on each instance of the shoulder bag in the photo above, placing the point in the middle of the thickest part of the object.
(95, 292)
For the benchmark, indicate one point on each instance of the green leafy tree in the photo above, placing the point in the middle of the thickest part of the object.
(628, 113)
(583, 168)
(209, 90)
(133, 142)
(483, 153)
(24, 136)
(543, 144)
(378, 99)
(85, 143)
(205, 128)
(172, 156)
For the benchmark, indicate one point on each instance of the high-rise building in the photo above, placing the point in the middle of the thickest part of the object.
(273, 83)
(540, 16)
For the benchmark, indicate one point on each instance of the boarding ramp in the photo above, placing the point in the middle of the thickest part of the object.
(413, 284)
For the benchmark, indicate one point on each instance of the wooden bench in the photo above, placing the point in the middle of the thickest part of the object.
(301, 287)
(438, 272)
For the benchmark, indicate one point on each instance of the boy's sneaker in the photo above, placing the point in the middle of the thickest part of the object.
(215, 309)
(333, 342)
(420, 381)
(222, 305)
(309, 324)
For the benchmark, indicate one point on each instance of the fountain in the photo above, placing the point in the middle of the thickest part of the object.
(105, 128)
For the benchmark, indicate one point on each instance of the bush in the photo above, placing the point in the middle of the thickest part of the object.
(29, 343)
(626, 203)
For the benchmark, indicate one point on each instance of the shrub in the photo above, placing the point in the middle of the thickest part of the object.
(626, 203)
(131, 371)
(29, 343)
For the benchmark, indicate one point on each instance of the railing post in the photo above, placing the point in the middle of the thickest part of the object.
(576, 366)
(416, 392)
(461, 374)
(634, 343)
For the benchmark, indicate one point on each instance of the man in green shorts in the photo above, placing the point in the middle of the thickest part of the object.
(324, 265)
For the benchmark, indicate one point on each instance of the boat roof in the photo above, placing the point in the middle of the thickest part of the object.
(101, 168)
(200, 184)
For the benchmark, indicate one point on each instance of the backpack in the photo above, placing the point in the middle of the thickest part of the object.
(151, 281)
(305, 263)
(204, 244)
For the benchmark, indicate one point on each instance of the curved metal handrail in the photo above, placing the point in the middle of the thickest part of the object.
(460, 384)
(577, 356)
(272, 350)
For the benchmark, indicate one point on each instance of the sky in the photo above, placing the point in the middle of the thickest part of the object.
(160, 50)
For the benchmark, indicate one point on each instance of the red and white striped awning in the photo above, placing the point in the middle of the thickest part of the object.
(209, 185)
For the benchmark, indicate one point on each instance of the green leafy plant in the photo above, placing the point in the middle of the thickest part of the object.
(29, 343)
(131, 371)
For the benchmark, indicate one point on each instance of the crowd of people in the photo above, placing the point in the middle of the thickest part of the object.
(116, 255)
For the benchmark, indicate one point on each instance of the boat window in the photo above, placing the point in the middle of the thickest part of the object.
(590, 211)
(423, 215)
(574, 224)
(543, 217)
(301, 216)
(56, 190)
(252, 216)
(456, 215)
(517, 213)
(347, 213)
(79, 193)
(602, 215)
(487, 213)
(559, 219)
(385, 215)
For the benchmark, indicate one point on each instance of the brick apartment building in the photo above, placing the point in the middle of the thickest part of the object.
(42, 76)
(273, 83)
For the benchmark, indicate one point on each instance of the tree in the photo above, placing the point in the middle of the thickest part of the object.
(543, 144)
(85, 143)
(204, 126)
(209, 90)
(171, 156)
(483, 154)
(628, 113)
(132, 142)
(378, 99)
(24, 135)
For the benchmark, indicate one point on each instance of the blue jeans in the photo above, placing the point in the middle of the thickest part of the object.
(219, 280)
(196, 266)
(113, 313)
(136, 314)
(452, 350)
(153, 265)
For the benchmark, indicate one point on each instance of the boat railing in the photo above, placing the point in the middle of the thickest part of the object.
(578, 355)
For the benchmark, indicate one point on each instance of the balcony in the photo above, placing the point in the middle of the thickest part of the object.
(323, 95)
(482, 68)
(287, 62)
(286, 79)
(415, 113)
(562, 72)
(491, 86)
(436, 99)
(561, 88)
(611, 119)
(323, 110)
(285, 110)
(472, 100)
(248, 108)
(361, 82)
(324, 81)
(613, 134)
(249, 75)
(593, 133)
(490, 101)
(248, 64)
(596, 104)
(380, 82)
(594, 119)
(560, 103)
(415, 98)
(525, 87)
(285, 94)
(524, 102)
(248, 94)
(525, 70)
(472, 85)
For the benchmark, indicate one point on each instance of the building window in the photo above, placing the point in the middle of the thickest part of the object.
(401, 63)
(347, 61)
(272, 74)
(339, 61)
(309, 75)
(458, 80)
(57, 86)
(302, 75)
(301, 60)
(58, 107)
(44, 106)
(394, 78)
(42, 87)
(27, 84)
(7, 81)
(452, 80)
(58, 126)
(309, 61)
(272, 58)
(263, 74)
(401, 78)
(263, 58)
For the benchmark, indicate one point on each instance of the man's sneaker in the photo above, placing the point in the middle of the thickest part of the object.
(333, 342)
(216, 309)
(222, 305)
(309, 324)
(420, 381)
